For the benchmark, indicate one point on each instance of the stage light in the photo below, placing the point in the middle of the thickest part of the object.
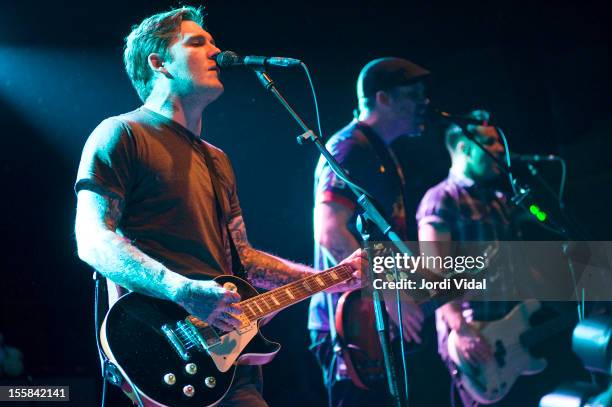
(64, 93)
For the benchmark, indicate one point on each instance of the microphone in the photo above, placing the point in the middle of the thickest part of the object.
(437, 114)
(534, 158)
(228, 59)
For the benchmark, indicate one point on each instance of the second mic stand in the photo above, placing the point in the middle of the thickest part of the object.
(520, 193)
(370, 214)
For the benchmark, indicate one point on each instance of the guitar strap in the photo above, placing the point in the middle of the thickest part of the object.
(386, 157)
(222, 205)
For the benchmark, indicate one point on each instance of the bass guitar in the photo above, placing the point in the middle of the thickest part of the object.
(174, 359)
(510, 338)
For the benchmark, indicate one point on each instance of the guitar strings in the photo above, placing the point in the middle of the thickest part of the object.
(297, 288)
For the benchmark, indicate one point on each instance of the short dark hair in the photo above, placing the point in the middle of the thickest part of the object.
(454, 133)
(153, 35)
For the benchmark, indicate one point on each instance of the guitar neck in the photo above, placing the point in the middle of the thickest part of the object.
(265, 304)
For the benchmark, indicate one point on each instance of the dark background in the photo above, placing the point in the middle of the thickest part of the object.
(542, 68)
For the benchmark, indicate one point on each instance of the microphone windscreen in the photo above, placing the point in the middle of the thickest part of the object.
(227, 58)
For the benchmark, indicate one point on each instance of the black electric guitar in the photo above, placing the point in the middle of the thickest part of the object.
(174, 359)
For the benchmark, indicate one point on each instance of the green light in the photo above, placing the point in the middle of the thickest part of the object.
(538, 213)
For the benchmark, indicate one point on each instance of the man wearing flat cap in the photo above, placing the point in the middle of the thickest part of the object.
(392, 103)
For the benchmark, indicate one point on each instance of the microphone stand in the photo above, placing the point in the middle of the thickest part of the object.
(520, 193)
(371, 216)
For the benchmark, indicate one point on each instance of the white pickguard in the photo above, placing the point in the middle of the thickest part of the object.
(226, 352)
(488, 383)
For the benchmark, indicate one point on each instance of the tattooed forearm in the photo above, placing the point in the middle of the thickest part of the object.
(264, 270)
(115, 257)
(268, 272)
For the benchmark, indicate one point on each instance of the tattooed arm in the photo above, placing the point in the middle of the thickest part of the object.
(114, 256)
(119, 260)
(264, 270)
(268, 271)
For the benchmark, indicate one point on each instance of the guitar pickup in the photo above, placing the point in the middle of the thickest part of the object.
(176, 342)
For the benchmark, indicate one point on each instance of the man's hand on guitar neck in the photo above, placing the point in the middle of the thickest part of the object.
(211, 303)
(357, 261)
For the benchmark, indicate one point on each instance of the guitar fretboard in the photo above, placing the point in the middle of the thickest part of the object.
(264, 304)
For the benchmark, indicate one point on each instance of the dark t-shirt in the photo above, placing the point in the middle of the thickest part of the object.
(372, 165)
(158, 169)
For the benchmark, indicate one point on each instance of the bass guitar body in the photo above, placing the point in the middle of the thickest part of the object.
(489, 382)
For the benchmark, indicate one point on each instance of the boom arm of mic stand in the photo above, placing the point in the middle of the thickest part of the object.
(363, 198)
(370, 213)
(523, 192)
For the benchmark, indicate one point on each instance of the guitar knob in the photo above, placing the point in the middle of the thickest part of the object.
(169, 379)
(191, 368)
(189, 390)
(210, 382)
